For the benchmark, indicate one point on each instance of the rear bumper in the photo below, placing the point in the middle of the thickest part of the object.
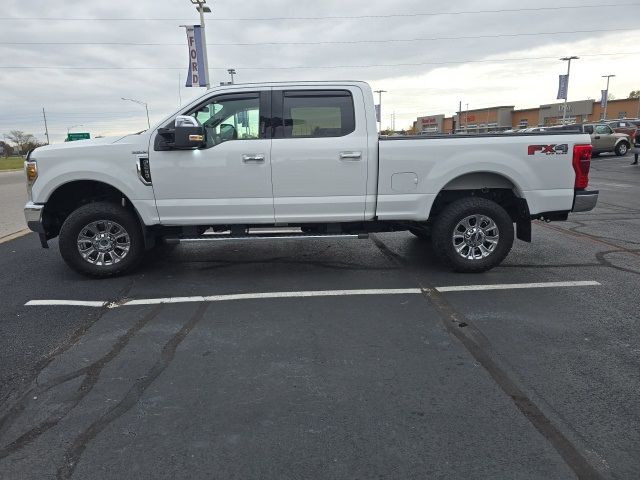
(33, 216)
(585, 200)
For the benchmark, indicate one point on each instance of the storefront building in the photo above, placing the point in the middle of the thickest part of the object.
(497, 119)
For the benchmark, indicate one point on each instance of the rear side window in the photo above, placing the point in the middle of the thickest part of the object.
(317, 113)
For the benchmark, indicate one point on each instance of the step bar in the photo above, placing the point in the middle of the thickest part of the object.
(227, 237)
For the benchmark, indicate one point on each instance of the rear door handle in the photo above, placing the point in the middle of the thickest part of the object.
(350, 155)
(253, 158)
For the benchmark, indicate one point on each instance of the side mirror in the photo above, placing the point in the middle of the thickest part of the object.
(188, 133)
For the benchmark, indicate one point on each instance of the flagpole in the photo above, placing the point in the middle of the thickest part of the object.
(566, 93)
(201, 9)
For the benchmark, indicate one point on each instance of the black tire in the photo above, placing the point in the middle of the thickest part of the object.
(98, 212)
(448, 220)
(622, 149)
(422, 234)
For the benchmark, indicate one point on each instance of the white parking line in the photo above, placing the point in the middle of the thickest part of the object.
(72, 303)
(303, 294)
(511, 286)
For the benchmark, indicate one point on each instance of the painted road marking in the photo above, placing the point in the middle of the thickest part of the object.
(305, 294)
(511, 286)
(72, 303)
(14, 235)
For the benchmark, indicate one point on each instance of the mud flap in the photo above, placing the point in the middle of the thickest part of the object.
(523, 230)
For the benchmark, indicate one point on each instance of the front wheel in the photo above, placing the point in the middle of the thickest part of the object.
(101, 240)
(473, 235)
(621, 149)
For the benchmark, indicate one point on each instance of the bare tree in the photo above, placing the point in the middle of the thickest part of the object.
(23, 141)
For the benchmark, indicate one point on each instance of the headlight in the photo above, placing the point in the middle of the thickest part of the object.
(31, 169)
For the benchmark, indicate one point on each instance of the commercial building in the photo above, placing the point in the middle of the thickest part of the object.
(500, 118)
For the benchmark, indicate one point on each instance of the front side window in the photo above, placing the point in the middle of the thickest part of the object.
(317, 114)
(235, 117)
(603, 129)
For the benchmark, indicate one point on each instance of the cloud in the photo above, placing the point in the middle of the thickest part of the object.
(92, 97)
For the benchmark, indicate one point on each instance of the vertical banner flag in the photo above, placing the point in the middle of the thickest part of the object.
(378, 113)
(603, 98)
(196, 73)
(562, 87)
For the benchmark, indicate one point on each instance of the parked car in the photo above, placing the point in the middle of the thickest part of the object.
(630, 127)
(603, 138)
(306, 155)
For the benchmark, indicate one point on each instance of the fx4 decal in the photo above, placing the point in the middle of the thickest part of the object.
(561, 149)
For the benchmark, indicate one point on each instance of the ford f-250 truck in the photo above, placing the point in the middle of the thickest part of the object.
(306, 156)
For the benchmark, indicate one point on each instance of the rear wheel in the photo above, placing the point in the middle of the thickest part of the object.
(101, 239)
(473, 235)
(622, 148)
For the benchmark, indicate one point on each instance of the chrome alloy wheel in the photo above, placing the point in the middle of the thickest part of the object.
(475, 237)
(103, 243)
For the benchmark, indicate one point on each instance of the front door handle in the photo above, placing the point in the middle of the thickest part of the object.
(597, 137)
(253, 158)
(350, 155)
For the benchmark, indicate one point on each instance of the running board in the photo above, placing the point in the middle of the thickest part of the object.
(262, 236)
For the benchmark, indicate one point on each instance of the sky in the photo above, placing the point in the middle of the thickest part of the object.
(428, 56)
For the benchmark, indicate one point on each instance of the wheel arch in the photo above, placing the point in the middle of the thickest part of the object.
(68, 196)
(489, 185)
(485, 184)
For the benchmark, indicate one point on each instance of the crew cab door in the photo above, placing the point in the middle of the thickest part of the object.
(228, 179)
(319, 154)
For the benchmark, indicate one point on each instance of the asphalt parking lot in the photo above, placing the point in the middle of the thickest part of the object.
(332, 358)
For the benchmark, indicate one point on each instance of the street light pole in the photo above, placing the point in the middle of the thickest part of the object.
(606, 96)
(202, 9)
(566, 93)
(232, 72)
(139, 102)
(466, 118)
(380, 92)
(73, 126)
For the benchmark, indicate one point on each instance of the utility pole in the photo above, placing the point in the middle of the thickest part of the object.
(606, 96)
(380, 92)
(566, 96)
(459, 117)
(232, 72)
(46, 129)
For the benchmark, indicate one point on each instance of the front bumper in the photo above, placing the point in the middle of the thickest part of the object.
(33, 215)
(585, 200)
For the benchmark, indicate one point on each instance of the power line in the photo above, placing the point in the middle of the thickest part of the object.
(336, 17)
(318, 67)
(332, 42)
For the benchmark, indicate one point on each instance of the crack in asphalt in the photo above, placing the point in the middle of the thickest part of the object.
(479, 347)
(594, 238)
(73, 454)
(333, 265)
(15, 410)
(91, 375)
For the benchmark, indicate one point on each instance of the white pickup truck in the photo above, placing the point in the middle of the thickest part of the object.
(243, 161)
